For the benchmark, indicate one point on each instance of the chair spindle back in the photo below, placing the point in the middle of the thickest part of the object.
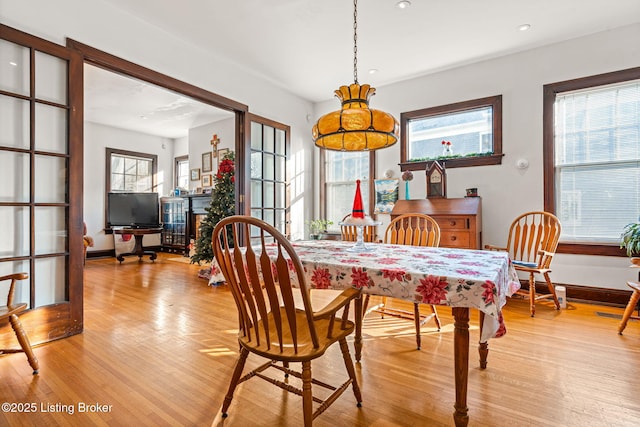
(262, 279)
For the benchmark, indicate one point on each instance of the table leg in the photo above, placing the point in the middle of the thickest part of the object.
(461, 365)
(138, 249)
(359, 314)
(483, 347)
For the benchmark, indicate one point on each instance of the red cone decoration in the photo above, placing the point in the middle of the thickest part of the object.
(358, 210)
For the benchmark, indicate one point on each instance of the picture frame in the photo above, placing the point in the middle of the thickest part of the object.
(206, 180)
(221, 153)
(207, 165)
(386, 195)
(195, 174)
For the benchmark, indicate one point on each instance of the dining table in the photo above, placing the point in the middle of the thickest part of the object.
(463, 279)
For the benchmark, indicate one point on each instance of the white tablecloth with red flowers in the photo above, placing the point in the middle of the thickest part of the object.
(442, 276)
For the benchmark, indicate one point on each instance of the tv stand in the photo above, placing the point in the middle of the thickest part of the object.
(138, 234)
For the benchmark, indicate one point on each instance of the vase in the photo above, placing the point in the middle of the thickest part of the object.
(447, 150)
(406, 190)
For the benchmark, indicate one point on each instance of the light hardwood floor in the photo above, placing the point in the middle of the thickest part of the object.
(159, 345)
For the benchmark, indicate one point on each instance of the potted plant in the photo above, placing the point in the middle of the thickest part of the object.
(630, 239)
(318, 226)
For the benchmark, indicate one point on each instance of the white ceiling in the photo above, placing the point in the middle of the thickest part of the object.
(306, 46)
(127, 103)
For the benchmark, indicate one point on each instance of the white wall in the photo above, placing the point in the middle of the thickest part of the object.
(505, 190)
(102, 26)
(97, 138)
(200, 142)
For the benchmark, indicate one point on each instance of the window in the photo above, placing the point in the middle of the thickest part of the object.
(181, 179)
(340, 170)
(129, 171)
(472, 131)
(592, 159)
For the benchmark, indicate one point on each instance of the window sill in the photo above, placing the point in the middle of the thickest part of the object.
(590, 249)
(456, 162)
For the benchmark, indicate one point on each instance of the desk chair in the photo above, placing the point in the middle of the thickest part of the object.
(271, 326)
(11, 312)
(414, 230)
(532, 243)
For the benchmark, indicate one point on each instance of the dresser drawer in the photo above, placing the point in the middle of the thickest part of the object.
(454, 239)
(452, 223)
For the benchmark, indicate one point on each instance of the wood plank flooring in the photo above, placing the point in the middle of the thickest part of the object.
(159, 345)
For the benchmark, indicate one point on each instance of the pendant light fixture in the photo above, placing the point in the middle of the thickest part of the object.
(355, 127)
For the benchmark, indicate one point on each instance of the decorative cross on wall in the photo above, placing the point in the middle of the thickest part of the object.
(215, 141)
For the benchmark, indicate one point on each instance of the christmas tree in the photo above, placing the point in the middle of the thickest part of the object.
(222, 205)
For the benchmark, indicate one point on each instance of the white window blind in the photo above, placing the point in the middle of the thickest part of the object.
(343, 168)
(597, 161)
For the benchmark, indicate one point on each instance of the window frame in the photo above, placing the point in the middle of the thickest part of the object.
(495, 102)
(323, 184)
(176, 170)
(550, 92)
(111, 151)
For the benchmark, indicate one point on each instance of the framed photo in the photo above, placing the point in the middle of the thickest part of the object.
(386, 195)
(206, 162)
(221, 153)
(198, 190)
(206, 180)
(195, 174)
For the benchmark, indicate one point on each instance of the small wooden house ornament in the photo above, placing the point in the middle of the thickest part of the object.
(436, 181)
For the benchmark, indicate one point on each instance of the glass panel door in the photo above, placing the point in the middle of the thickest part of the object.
(40, 140)
(269, 198)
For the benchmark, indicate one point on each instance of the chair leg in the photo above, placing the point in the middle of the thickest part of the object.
(237, 371)
(416, 318)
(384, 305)
(365, 304)
(307, 397)
(348, 363)
(24, 342)
(552, 290)
(633, 301)
(532, 294)
(418, 321)
(435, 316)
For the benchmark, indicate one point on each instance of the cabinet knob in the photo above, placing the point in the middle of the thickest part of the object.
(453, 238)
(452, 223)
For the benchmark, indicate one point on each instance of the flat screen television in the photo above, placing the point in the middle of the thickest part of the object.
(137, 210)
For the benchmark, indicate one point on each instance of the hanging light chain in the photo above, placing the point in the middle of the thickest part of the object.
(355, 41)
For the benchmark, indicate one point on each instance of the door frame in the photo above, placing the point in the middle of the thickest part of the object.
(121, 66)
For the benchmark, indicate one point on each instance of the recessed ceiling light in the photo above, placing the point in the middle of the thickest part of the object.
(524, 27)
(403, 4)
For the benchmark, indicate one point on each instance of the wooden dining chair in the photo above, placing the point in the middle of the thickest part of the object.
(11, 312)
(532, 243)
(349, 232)
(270, 324)
(414, 230)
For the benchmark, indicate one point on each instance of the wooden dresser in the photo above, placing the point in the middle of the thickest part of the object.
(460, 220)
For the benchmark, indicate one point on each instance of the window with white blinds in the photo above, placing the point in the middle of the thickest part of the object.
(342, 169)
(597, 161)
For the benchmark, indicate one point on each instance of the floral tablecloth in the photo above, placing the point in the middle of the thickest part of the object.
(442, 276)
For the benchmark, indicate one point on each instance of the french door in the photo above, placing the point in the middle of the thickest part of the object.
(40, 169)
(269, 148)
